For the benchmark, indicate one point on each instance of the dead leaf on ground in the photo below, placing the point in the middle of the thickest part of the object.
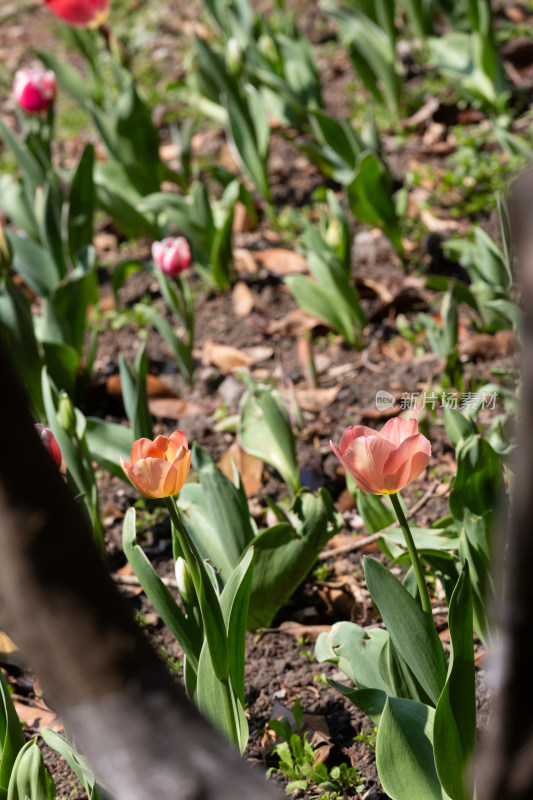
(37, 715)
(377, 289)
(437, 225)
(316, 400)
(293, 324)
(244, 261)
(155, 387)
(399, 350)
(243, 222)
(175, 407)
(487, 346)
(423, 114)
(377, 414)
(249, 467)
(127, 570)
(228, 358)
(296, 629)
(281, 261)
(9, 652)
(242, 299)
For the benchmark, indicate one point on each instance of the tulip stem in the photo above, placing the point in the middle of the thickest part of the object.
(413, 553)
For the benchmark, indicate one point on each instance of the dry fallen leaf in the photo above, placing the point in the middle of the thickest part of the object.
(244, 261)
(228, 358)
(37, 715)
(281, 261)
(127, 569)
(293, 324)
(243, 221)
(175, 407)
(242, 299)
(9, 652)
(316, 400)
(487, 346)
(249, 467)
(155, 387)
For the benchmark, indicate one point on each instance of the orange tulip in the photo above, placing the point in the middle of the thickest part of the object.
(384, 462)
(159, 468)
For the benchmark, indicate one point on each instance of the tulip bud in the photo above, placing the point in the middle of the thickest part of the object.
(184, 580)
(6, 253)
(171, 255)
(34, 89)
(48, 439)
(334, 233)
(234, 56)
(67, 414)
(81, 13)
(267, 47)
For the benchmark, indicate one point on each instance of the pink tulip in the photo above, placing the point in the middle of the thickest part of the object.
(384, 462)
(48, 439)
(34, 89)
(81, 13)
(172, 256)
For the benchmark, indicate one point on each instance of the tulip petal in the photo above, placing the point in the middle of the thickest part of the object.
(145, 448)
(406, 462)
(350, 434)
(368, 455)
(350, 467)
(397, 430)
(149, 475)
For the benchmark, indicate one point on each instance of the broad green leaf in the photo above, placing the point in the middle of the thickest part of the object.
(234, 602)
(28, 779)
(455, 715)
(371, 199)
(404, 751)
(216, 514)
(18, 335)
(11, 735)
(81, 204)
(107, 442)
(285, 553)
(63, 365)
(411, 630)
(265, 431)
(65, 314)
(48, 215)
(76, 762)
(356, 651)
(210, 699)
(34, 264)
(15, 204)
(458, 426)
(375, 513)
(134, 394)
(186, 633)
(30, 167)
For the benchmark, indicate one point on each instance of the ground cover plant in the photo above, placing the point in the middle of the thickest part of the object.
(256, 277)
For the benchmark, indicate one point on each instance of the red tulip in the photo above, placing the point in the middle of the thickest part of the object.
(159, 468)
(48, 439)
(34, 89)
(172, 256)
(384, 462)
(81, 13)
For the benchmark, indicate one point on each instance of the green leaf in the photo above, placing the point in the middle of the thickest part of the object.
(216, 514)
(81, 204)
(16, 205)
(65, 314)
(180, 350)
(28, 779)
(285, 553)
(30, 167)
(455, 716)
(186, 633)
(210, 701)
(48, 216)
(107, 442)
(137, 141)
(404, 751)
(234, 602)
(122, 272)
(134, 394)
(34, 264)
(371, 199)
(11, 735)
(411, 630)
(76, 762)
(72, 81)
(265, 431)
(458, 426)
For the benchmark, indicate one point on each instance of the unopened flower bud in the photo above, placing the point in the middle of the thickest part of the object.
(334, 233)
(184, 580)
(35, 89)
(172, 255)
(81, 13)
(234, 56)
(6, 253)
(67, 414)
(48, 439)
(267, 47)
